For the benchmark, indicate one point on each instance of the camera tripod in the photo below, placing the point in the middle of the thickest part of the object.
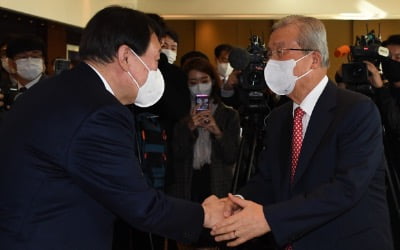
(249, 149)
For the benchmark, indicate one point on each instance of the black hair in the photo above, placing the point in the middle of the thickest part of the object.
(392, 40)
(22, 43)
(165, 30)
(222, 47)
(192, 54)
(169, 32)
(5, 40)
(159, 21)
(112, 27)
(3, 44)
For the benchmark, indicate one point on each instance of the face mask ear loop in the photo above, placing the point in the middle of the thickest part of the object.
(140, 59)
(306, 73)
(301, 58)
(133, 79)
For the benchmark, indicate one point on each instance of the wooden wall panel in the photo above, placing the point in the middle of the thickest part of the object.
(210, 33)
(338, 33)
(261, 28)
(204, 35)
(387, 27)
(186, 33)
(56, 44)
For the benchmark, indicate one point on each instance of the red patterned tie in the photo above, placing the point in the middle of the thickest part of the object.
(297, 140)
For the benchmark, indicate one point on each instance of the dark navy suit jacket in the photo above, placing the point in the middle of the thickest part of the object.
(68, 167)
(338, 198)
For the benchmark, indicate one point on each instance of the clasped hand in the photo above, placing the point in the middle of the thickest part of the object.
(240, 221)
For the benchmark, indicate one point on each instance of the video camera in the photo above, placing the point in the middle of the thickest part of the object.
(366, 48)
(251, 63)
(254, 97)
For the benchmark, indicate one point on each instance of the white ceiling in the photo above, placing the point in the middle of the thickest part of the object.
(78, 12)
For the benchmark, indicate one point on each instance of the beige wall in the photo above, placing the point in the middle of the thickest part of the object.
(78, 12)
(204, 35)
(338, 33)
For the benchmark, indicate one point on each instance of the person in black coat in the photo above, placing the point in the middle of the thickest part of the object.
(68, 148)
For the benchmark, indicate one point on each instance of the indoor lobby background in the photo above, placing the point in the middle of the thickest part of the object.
(202, 24)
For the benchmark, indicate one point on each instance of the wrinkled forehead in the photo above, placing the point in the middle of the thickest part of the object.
(284, 37)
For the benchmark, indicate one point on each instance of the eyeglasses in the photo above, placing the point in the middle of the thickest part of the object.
(281, 51)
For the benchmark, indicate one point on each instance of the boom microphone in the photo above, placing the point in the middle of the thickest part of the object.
(239, 58)
(342, 51)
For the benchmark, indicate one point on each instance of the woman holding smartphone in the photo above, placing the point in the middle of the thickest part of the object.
(206, 142)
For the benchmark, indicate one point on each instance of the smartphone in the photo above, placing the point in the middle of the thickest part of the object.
(203, 101)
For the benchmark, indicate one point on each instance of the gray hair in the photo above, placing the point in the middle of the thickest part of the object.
(312, 34)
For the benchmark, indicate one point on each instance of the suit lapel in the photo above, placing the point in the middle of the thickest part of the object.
(283, 137)
(319, 123)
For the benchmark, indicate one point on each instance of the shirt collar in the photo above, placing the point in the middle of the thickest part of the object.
(106, 84)
(31, 83)
(308, 104)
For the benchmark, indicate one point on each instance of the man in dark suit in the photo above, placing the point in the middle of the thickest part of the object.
(321, 180)
(25, 55)
(67, 148)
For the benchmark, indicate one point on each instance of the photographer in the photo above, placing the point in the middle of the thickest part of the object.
(228, 75)
(387, 97)
(386, 94)
(363, 75)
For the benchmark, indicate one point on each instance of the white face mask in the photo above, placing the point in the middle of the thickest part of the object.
(171, 55)
(224, 69)
(279, 75)
(153, 88)
(201, 89)
(4, 64)
(29, 68)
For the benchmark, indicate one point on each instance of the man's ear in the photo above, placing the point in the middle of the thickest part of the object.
(317, 60)
(123, 54)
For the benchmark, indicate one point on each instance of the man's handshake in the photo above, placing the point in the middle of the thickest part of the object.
(234, 219)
